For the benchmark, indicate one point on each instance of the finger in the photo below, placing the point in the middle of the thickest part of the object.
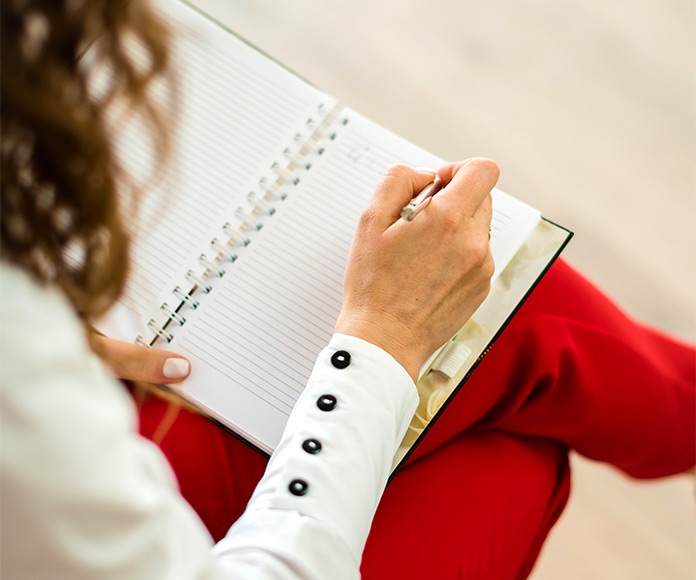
(467, 184)
(484, 213)
(449, 170)
(139, 363)
(396, 188)
(481, 224)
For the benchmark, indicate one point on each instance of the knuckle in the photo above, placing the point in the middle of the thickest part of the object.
(488, 268)
(396, 170)
(480, 252)
(450, 222)
(485, 290)
(367, 217)
(487, 166)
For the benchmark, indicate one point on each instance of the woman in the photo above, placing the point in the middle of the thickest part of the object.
(85, 496)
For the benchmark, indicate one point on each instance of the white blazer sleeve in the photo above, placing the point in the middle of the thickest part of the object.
(311, 513)
(84, 496)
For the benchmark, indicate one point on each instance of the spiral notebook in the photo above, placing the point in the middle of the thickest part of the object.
(239, 250)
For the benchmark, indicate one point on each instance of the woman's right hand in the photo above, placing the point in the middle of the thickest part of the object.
(410, 286)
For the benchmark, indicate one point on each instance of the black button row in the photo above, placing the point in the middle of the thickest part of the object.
(340, 360)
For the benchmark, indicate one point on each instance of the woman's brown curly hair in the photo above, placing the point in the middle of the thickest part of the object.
(59, 210)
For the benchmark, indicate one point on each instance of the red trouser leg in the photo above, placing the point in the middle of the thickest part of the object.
(479, 506)
(570, 368)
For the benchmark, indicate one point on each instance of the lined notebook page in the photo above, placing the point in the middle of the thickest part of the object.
(254, 339)
(238, 112)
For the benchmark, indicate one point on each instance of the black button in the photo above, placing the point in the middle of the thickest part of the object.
(327, 402)
(340, 359)
(298, 487)
(311, 446)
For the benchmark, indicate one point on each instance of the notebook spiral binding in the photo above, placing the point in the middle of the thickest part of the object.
(261, 203)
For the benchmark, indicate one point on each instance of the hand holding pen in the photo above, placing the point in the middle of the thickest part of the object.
(411, 284)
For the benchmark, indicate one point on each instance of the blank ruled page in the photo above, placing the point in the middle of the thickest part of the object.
(254, 339)
(238, 111)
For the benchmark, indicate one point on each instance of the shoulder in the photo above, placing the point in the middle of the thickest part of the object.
(37, 322)
(44, 353)
(53, 389)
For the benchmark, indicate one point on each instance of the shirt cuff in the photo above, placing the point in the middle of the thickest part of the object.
(336, 452)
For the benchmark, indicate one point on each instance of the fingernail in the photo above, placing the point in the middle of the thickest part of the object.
(425, 170)
(175, 368)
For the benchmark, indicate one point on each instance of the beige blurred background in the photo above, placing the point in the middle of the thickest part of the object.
(589, 108)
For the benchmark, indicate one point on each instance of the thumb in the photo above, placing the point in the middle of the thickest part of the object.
(139, 363)
(397, 186)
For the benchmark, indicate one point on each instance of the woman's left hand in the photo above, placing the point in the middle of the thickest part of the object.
(138, 363)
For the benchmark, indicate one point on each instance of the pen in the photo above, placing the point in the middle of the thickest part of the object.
(421, 201)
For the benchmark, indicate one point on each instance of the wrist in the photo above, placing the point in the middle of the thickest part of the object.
(390, 338)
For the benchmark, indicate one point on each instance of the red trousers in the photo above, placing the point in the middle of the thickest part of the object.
(490, 479)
